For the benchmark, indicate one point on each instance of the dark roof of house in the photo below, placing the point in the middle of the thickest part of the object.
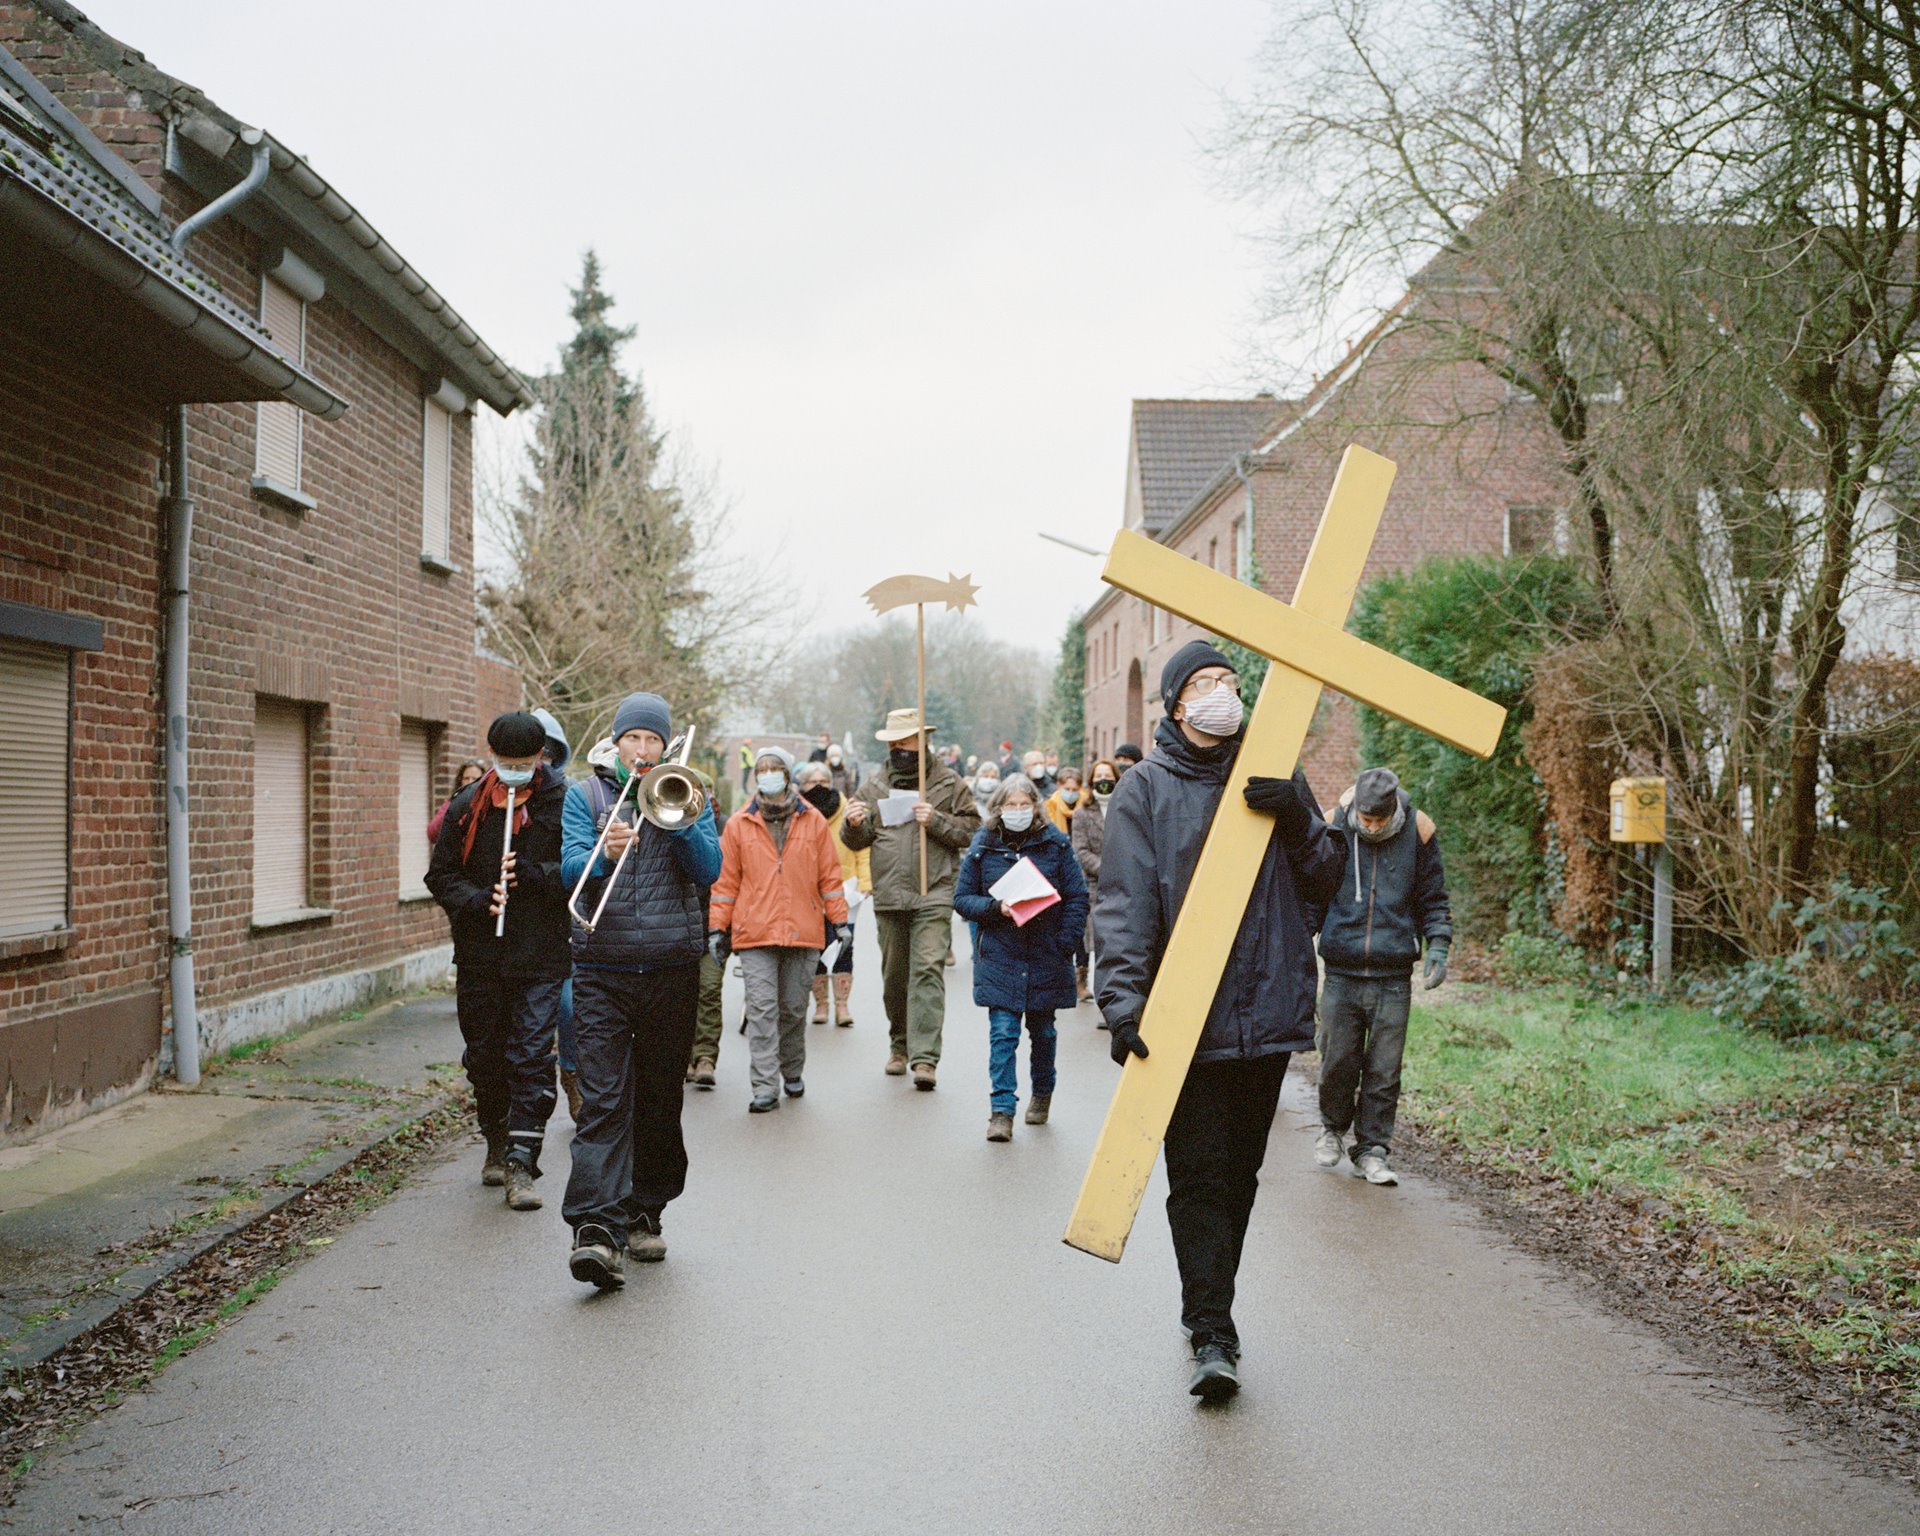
(86, 240)
(208, 153)
(1180, 445)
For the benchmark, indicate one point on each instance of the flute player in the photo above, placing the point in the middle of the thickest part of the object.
(508, 993)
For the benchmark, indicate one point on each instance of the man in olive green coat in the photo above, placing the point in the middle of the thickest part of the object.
(915, 930)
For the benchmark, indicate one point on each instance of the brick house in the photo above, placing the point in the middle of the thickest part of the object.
(325, 519)
(1478, 473)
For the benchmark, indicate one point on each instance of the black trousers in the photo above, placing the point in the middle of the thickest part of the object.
(508, 1024)
(1216, 1142)
(632, 1032)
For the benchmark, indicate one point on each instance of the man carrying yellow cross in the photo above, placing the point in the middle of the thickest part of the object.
(1263, 1010)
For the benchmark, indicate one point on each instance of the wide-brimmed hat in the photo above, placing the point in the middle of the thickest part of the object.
(901, 724)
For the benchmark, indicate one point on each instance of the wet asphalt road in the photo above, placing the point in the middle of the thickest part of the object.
(868, 1324)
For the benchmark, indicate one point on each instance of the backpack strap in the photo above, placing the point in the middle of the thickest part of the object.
(1423, 824)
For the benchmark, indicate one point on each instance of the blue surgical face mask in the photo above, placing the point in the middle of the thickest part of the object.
(1070, 796)
(773, 784)
(513, 778)
(1016, 818)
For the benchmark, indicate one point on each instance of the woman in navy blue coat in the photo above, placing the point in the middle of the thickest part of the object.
(1021, 972)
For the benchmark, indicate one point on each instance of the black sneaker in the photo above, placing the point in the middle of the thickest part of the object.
(595, 1260)
(1216, 1372)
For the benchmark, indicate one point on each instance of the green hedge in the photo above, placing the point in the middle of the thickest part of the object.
(1477, 622)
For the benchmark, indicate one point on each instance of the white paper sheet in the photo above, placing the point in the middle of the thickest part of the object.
(1023, 882)
(897, 809)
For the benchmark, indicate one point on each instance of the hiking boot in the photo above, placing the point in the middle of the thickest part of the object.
(1038, 1107)
(923, 1076)
(493, 1172)
(595, 1260)
(703, 1072)
(1327, 1150)
(842, 999)
(762, 1103)
(794, 1087)
(999, 1127)
(689, 1077)
(1216, 1372)
(952, 959)
(1372, 1166)
(819, 1012)
(897, 1064)
(570, 1086)
(520, 1191)
(644, 1241)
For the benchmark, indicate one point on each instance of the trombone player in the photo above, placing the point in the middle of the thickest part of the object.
(636, 968)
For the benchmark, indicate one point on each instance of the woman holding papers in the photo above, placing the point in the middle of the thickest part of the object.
(1021, 888)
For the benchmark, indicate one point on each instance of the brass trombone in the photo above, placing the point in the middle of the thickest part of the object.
(670, 795)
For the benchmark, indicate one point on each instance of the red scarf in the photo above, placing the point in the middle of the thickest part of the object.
(489, 791)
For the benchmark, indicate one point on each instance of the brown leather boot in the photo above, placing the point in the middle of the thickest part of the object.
(1038, 1108)
(819, 1015)
(842, 999)
(570, 1086)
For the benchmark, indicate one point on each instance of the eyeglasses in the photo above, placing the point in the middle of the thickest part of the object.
(1202, 686)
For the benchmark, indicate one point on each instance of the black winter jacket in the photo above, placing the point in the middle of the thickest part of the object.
(1391, 896)
(1156, 823)
(1030, 968)
(657, 916)
(535, 944)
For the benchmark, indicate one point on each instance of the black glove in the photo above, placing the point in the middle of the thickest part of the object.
(1436, 968)
(719, 945)
(1126, 1039)
(844, 933)
(1289, 801)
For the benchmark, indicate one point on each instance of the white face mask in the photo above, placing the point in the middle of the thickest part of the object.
(1217, 714)
(772, 784)
(1016, 818)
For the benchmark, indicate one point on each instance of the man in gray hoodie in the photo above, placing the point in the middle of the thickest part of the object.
(1392, 899)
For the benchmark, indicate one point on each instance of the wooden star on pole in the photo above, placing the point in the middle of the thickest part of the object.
(897, 591)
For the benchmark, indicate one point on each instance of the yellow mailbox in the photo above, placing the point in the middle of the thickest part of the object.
(1639, 811)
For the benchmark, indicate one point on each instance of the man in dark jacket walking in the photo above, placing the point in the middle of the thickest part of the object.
(636, 991)
(1392, 896)
(1156, 824)
(508, 993)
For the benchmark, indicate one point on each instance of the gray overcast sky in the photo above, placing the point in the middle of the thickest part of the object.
(896, 268)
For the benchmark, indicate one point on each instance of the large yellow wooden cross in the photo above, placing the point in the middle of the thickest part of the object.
(1308, 648)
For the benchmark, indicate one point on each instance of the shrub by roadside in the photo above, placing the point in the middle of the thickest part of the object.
(1760, 1189)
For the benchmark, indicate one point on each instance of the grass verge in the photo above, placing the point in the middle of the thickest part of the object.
(1768, 1186)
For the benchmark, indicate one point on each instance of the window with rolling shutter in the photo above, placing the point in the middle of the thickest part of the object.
(437, 490)
(416, 807)
(281, 813)
(277, 448)
(34, 701)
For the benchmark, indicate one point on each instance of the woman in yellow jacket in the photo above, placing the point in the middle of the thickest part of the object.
(815, 782)
(1061, 804)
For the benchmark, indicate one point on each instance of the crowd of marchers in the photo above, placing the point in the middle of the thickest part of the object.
(591, 944)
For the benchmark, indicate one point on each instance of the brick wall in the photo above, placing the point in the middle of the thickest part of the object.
(81, 533)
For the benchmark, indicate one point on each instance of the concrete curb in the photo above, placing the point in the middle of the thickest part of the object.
(40, 1345)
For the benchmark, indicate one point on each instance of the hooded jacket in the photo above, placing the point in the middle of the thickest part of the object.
(1391, 896)
(535, 944)
(896, 850)
(1016, 968)
(770, 897)
(1156, 822)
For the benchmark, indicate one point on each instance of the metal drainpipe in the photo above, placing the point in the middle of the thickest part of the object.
(186, 1018)
(186, 1015)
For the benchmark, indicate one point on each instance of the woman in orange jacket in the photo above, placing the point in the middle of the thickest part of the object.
(779, 891)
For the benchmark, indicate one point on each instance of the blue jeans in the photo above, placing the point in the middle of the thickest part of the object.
(1005, 1048)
